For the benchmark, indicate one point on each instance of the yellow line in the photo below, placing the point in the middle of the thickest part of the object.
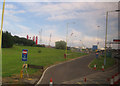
(79, 83)
(2, 24)
(95, 82)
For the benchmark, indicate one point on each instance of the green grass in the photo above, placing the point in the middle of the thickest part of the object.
(100, 61)
(12, 58)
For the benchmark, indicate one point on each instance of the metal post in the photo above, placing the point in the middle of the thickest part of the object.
(23, 70)
(1, 43)
(2, 24)
(106, 38)
(98, 37)
(106, 33)
(66, 39)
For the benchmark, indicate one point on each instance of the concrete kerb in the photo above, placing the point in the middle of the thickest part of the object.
(56, 65)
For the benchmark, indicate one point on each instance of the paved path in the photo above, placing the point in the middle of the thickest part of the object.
(68, 71)
(96, 78)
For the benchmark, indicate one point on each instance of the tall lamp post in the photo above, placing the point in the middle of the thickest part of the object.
(98, 37)
(106, 33)
(67, 37)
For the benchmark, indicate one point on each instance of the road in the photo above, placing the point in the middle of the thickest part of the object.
(68, 71)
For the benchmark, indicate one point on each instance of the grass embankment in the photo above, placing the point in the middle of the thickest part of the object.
(100, 61)
(12, 58)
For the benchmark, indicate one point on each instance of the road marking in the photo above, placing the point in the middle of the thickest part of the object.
(56, 65)
(79, 83)
(89, 65)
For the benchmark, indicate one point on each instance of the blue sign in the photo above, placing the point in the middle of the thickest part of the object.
(24, 54)
(94, 47)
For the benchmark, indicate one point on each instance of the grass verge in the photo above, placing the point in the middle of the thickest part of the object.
(12, 58)
(100, 61)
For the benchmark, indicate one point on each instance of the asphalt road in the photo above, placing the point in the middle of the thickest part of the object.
(68, 71)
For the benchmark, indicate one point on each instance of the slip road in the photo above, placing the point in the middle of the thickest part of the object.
(68, 71)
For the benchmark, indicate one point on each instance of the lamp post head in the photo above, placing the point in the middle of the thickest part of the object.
(117, 10)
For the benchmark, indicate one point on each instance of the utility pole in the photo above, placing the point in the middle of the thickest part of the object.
(66, 38)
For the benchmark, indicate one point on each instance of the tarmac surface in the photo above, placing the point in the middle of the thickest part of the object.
(69, 70)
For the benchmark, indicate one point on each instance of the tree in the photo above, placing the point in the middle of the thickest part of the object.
(7, 40)
(23, 41)
(60, 44)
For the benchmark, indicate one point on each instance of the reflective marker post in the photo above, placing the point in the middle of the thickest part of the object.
(2, 24)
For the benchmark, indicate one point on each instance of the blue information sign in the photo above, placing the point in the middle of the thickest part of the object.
(24, 54)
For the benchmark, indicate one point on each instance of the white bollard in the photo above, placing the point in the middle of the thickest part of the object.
(51, 83)
(95, 66)
(116, 78)
(103, 67)
(112, 80)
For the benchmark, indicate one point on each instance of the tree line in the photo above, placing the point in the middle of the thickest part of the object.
(8, 40)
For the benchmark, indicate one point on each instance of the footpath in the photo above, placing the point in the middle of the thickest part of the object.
(97, 78)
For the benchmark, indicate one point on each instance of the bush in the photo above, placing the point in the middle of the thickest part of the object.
(23, 41)
(60, 44)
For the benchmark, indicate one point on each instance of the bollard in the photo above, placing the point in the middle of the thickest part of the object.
(65, 56)
(51, 82)
(94, 66)
(103, 67)
(112, 81)
(116, 79)
(85, 79)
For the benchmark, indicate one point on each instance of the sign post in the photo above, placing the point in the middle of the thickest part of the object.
(24, 55)
(24, 58)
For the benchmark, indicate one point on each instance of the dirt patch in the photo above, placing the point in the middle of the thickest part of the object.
(15, 79)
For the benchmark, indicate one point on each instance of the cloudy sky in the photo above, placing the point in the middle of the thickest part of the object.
(86, 21)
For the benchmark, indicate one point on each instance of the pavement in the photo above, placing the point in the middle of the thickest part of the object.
(97, 78)
(67, 71)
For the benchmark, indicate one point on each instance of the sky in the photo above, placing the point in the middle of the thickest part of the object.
(86, 21)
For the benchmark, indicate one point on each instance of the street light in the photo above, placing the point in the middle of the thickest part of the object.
(106, 33)
(117, 10)
(67, 37)
(97, 36)
(82, 44)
